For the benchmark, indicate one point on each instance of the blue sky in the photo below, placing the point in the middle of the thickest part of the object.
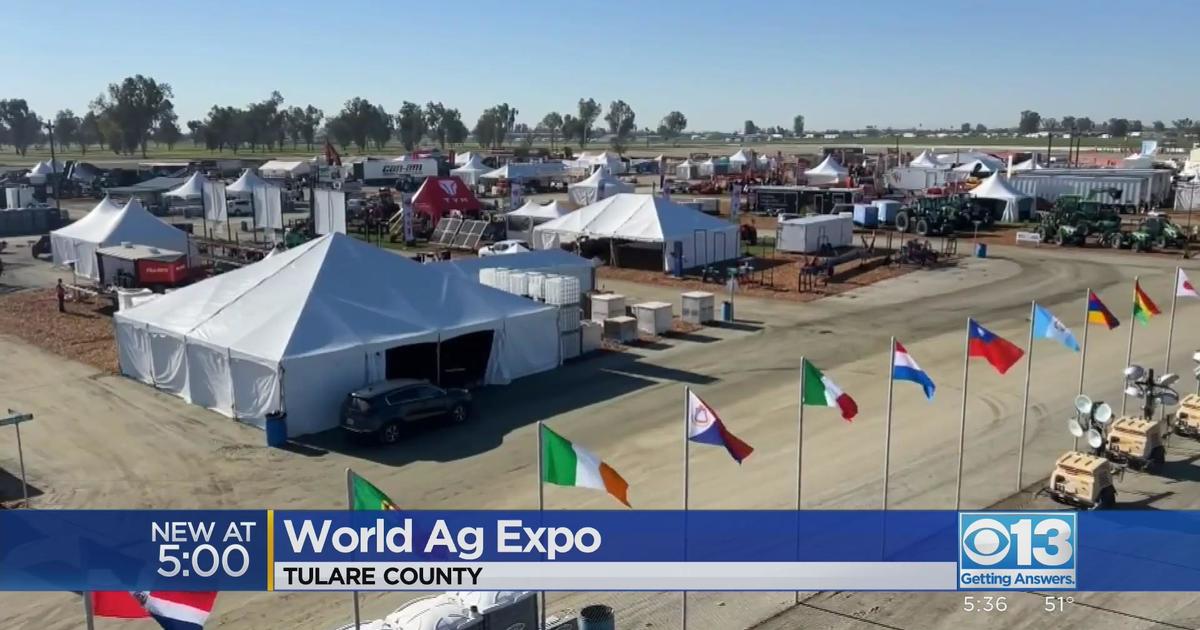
(842, 65)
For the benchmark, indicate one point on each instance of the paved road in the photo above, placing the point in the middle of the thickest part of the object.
(103, 441)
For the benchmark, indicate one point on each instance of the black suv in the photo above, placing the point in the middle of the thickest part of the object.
(386, 409)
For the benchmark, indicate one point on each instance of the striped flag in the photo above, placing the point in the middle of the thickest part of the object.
(905, 368)
(820, 391)
(1143, 307)
(567, 464)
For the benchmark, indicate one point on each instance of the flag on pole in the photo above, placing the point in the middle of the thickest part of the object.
(117, 605)
(905, 368)
(365, 496)
(998, 351)
(1143, 307)
(172, 610)
(566, 464)
(1098, 313)
(1047, 326)
(1183, 286)
(820, 391)
(705, 427)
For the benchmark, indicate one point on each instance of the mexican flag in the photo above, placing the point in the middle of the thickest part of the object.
(1143, 307)
(565, 464)
(365, 496)
(819, 391)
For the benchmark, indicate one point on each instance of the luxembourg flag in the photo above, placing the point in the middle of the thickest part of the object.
(705, 427)
(905, 368)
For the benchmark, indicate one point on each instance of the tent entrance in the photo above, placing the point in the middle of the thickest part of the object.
(416, 361)
(464, 359)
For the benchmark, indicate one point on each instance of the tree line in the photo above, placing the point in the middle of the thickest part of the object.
(1032, 122)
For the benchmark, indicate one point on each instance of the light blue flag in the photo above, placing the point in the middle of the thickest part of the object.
(1047, 326)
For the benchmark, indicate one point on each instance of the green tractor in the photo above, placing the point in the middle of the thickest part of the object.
(936, 215)
(1156, 231)
(1074, 220)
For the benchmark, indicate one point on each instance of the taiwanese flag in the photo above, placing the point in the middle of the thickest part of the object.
(705, 427)
(998, 351)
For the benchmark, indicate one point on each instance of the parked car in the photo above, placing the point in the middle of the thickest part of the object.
(510, 246)
(385, 410)
(238, 207)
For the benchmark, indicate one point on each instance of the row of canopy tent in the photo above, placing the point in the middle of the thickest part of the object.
(266, 198)
(298, 331)
(961, 161)
(643, 218)
(109, 224)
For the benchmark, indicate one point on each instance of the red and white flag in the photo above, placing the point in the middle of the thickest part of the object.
(172, 610)
(1184, 287)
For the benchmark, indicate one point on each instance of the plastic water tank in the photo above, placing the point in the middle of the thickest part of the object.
(276, 427)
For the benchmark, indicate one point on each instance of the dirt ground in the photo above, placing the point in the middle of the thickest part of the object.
(83, 333)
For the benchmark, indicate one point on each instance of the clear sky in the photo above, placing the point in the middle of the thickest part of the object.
(841, 64)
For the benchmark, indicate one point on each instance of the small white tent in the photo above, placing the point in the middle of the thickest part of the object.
(740, 161)
(829, 171)
(646, 219)
(284, 169)
(465, 158)
(472, 171)
(247, 183)
(1028, 165)
(973, 166)
(298, 331)
(1017, 205)
(600, 185)
(687, 169)
(534, 210)
(109, 225)
(926, 160)
(190, 190)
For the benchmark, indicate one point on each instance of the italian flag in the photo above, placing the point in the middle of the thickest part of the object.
(565, 464)
(1143, 307)
(819, 391)
(365, 496)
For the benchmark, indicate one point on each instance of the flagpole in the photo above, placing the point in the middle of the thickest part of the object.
(1129, 348)
(687, 398)
(350, 506)
(887, 426)
(1171, 327)
(1025, 404)
(89, 616)
(799, 459)
(1087, 313)
(962, 427)
(541, 502)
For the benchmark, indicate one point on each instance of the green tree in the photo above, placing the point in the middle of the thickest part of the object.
(66, 128)
(1030, 120)
(1118, 127)
(506, 119)
(359, 116)
(132, 109)
(589, 111)
(1050, 124)
(23, 124)
(981, 128)
(456, 131)
(435, 122)
(1136, 125)
(167, 132)
(338, 129)
(89, 131)
(196, 131)
(798, 125)
(1085, 124)
(1183, 125)
(302, 124)
(1069, 122)
(1159, 126)
(410, 125)
(965, 128)
(380, 127)
(487, 128)
(621, 124)
(672, 126)
(552, 122)
(749, 128)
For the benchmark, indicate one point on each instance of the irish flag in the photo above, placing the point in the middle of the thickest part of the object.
(1143, 307)
(567, 464)
(819, 391)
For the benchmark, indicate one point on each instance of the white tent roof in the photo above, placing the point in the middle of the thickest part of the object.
(660, 158)
(686, 163)
(192, 188)
(475, 164)
(331, 293)
(93, 223)
(925, 160)
(829, 166)
(740, 156)
(969, 167)
(41, 168)
(1028, 165)
(996, 187)
(248, 182)
(525, 170)
(552, 210)
(962, 157)
(636, 218)
(289, 167)
(464, 158)
(108, 225)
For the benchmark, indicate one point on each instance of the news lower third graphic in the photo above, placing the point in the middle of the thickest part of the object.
(265, 550)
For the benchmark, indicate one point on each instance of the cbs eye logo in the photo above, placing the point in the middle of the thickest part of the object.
(1018, 540)
(986, 542)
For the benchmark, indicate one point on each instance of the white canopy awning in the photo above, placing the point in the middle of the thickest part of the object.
(997, 187)
(552, 210)
(926, 160)
(600, 185)
(248, 182)
(193, 188)
(108, 224)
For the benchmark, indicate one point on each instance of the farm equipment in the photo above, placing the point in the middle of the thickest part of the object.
(917, 252)
(936, 214)
(1140, 441)
(1073, 222)
(1157, 232)
(1085, 480)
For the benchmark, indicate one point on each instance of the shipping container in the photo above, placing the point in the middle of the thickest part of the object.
(915, 178)
(808, 235)
(1133, 190)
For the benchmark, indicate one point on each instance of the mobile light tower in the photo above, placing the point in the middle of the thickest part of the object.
(1085, 480)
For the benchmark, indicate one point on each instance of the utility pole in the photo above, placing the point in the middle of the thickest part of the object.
(53, 164)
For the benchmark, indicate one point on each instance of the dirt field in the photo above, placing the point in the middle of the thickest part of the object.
(100, 440)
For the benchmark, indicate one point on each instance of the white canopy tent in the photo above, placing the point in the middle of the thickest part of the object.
(648, 219)
(962, 157)
(600, 185)
(247, 183)
(973, 166)
(465, 158)
(687, 169)
(1017, 205)
(283, 169)
(472, 171)
(926, 160)
(108, 224)
(534, 210)
(300, 330)
(602, 160)
(740, 160)
(526, 170)
(829, 171)
(191, 190)
(1028, 165)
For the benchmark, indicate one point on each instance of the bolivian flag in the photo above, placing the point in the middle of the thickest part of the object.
(1143, 307)
(567, 464)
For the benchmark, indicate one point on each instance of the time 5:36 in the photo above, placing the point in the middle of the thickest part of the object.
(985, 603)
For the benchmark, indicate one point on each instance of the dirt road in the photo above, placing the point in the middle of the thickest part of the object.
(102, 441)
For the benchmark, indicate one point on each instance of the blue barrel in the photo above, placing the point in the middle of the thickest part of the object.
(277, 429)
(981, 250)
(597, 617)
(727, 311)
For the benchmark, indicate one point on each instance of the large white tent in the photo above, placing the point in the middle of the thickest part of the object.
(600, 185)
(300, 330)
(829, 171)
(1017, 205)
(472, 171)
(534, 210)
(926, 160)
(109, 224)
(646, 219)
(190, 190)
